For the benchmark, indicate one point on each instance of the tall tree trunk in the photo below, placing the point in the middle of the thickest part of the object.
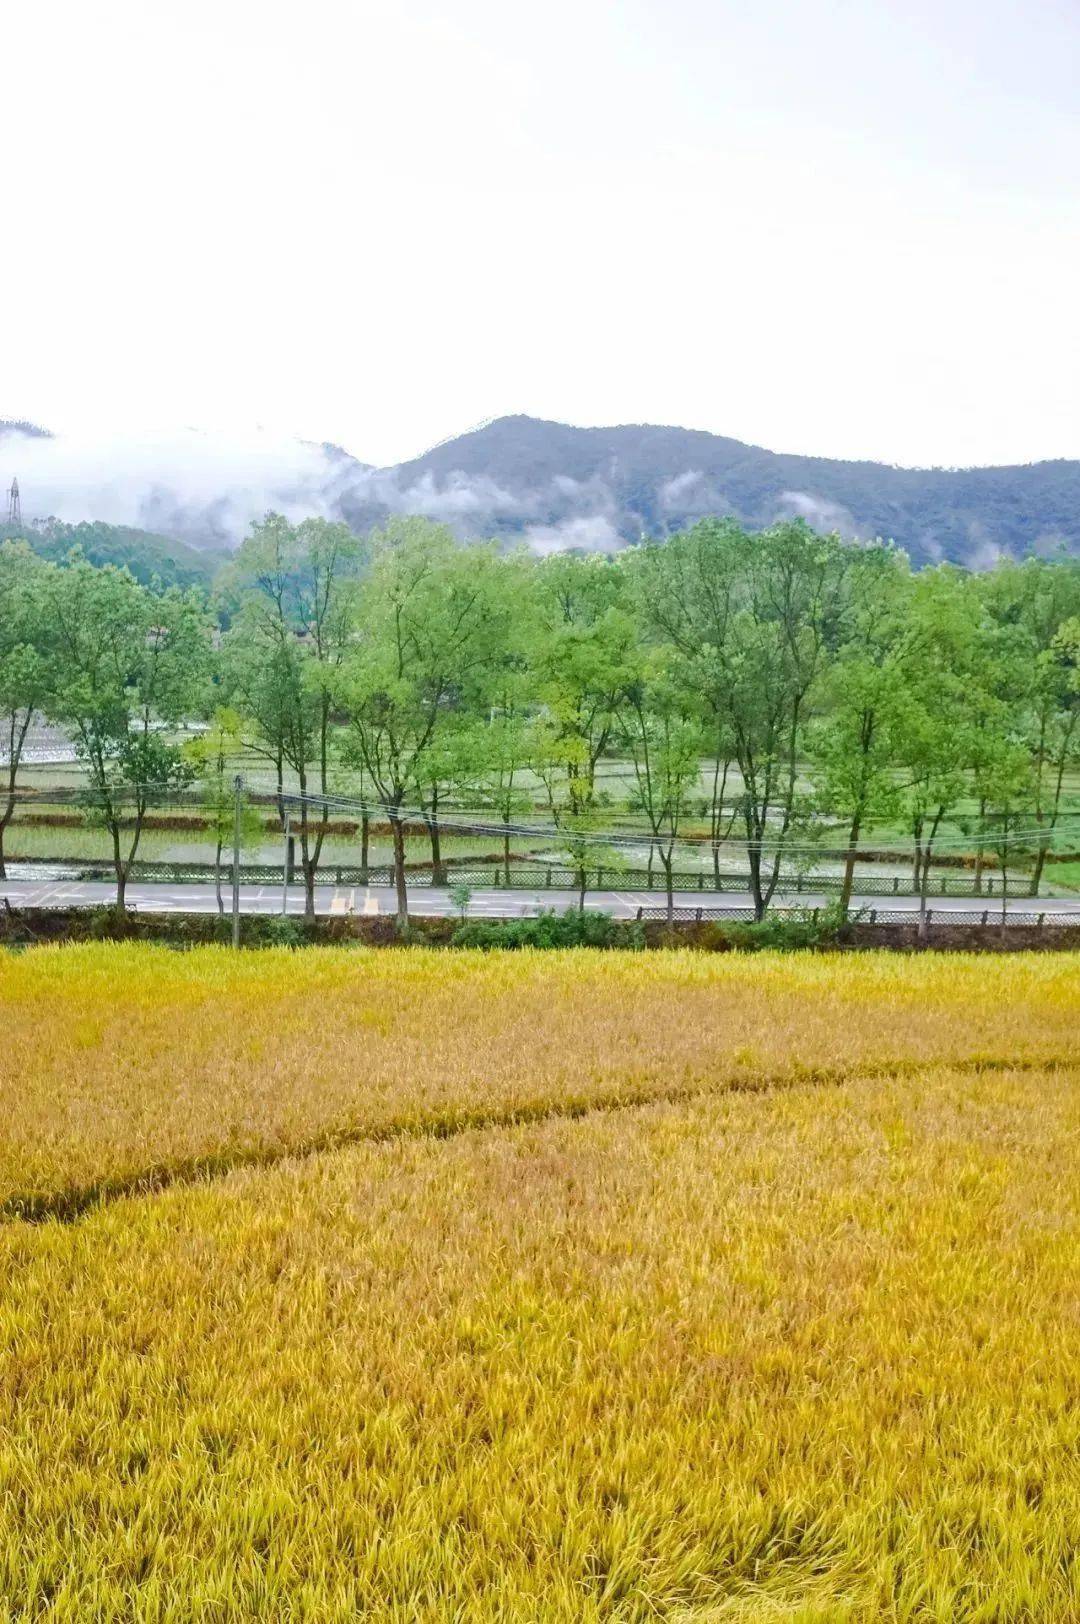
(1045, 832)
(1036, 873)
(5, 819)
(438, 867)
(924, 880)
(121, 889)
(582, 874)
(307, 867)
(506, 847)
(324, 772)
(399, 869)
(120, 868)
(924, 876)
(753, 855)
(716, 816)
(16, 739)
(666, 859)
(848, 884)
(980, 849)
(279, 764)
(309, 861)
(757, 893)
(580, 796)
(1055, 809)
(365, 842)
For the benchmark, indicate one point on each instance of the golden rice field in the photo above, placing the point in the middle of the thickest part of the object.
(419, 1285)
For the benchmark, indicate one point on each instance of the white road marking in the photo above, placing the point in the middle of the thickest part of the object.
(371, 902)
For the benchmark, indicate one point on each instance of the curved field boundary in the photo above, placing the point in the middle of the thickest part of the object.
(67, 1206)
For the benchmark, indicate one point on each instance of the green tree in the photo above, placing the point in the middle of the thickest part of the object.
(496, 743)
(754, 619)
(582, 638)
(1008, 800)
(1030, 603)
(853, 745)
(24, 666)
(292, 593)
(125, 662)
(495, 754)
(212, 756)
(664, 745)
(946, 706)
(440, 770)
(427, 624)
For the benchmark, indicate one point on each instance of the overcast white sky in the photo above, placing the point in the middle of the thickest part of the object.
(844, 228)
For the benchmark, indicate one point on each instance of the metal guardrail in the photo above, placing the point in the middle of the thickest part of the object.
(935, 919)
(682, 916)
(970, 916)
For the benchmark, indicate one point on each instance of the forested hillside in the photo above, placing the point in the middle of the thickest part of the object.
(601, 487)
(149, 557)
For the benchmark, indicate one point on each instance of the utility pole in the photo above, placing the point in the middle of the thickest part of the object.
(238, 784)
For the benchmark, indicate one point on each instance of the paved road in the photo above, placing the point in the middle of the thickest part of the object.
(485, 904)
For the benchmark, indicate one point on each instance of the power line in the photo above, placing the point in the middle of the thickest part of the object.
(599, 837)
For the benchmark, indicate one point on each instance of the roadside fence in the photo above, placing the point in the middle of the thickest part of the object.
(935, 918)
(520, 876)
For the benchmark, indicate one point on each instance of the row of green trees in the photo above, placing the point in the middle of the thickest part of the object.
(408, 667)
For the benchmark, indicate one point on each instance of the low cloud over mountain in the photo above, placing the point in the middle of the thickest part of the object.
(549, 485)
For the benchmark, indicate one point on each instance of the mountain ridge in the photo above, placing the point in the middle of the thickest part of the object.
(555, 485)
(653, 478)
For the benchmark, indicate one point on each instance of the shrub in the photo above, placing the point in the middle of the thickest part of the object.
(461, 896)
(280, 930)
(105, 923)
(577, 927)
(820, 927)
